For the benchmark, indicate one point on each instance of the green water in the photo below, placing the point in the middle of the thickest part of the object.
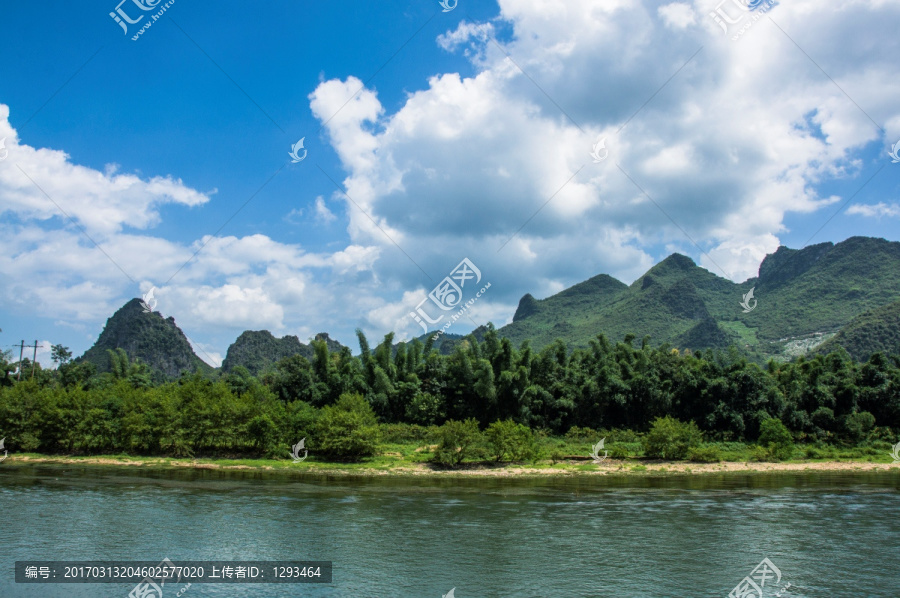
(829, 534)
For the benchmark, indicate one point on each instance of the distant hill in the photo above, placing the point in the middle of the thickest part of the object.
(445, 343)
(871, 331)
(257, 350)
(803, 297)
(670, 303)
(155, 340)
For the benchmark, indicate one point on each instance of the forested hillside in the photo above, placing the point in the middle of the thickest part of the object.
(148, 337)
(259, 350)
(871, 331)
(800, 294)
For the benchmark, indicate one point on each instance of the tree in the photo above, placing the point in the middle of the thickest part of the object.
(511, 441)
(346, 430)
(670, 438)
(294, 380)
(857, 425)
(458, 440)
(60, 355)
(135, 372)
(775, 436)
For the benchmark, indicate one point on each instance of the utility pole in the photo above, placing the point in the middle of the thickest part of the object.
(22, 347)
(34, 359)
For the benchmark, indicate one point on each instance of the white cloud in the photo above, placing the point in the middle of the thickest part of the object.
(677, 15)
(40, 184)
(464, 33)
(295, 216)
(322, 212)
(875, 210)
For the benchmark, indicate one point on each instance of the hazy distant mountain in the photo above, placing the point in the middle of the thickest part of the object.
(257, 350)
(155, 340)
(801, 297)
(445, 343)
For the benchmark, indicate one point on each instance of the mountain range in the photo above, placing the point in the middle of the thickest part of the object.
(814, 299)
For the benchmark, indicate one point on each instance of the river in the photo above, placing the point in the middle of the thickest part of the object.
(827, 534)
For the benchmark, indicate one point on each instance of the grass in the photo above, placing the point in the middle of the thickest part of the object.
(559, 455)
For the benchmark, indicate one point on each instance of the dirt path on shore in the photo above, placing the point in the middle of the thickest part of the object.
(564, 468)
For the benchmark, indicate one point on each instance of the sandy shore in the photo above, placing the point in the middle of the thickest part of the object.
(563, 468)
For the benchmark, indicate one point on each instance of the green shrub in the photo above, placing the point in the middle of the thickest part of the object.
(618, 451)
(618, 435)
(300, 420)
(670, 438)
(457, 441)
(346, 430)
(556, 455)
(576, 434)
(812, 452)
(511, 441)
(823, 417)
(776, 438)
(263, 434)
(858, 425)
(759, 453)
(705, 454)
(425, 409)
(401, 433)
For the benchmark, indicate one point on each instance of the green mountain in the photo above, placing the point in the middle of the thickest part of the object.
(873, 330)
(802, 298)
(155, 340)
(257, 350)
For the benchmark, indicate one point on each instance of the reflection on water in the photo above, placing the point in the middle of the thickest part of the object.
(830, 534)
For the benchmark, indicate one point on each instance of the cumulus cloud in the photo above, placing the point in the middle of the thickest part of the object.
(709, 150)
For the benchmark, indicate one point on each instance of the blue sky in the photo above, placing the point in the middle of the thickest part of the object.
(432, 136)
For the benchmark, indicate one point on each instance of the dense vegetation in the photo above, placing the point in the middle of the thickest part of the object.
(871, 331)
(490, 399)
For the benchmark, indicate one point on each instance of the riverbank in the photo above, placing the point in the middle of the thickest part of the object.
(398, 467)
